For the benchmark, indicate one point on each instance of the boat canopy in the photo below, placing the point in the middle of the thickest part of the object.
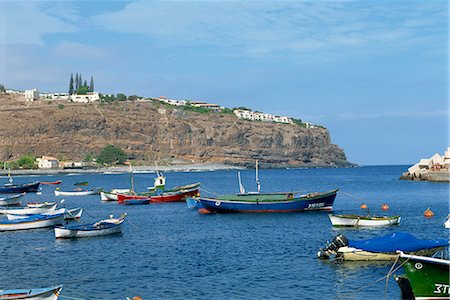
(397, 241)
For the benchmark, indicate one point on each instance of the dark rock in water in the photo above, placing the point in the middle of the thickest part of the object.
(148, 131)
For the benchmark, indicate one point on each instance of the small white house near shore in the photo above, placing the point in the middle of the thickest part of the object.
(31, 95)
(89, 97)
(47, 162)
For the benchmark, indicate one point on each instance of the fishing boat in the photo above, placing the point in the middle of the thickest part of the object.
(112, 195)
(11, 200)
(363, 221)
(257, 202)
(380, 248)
(56, 182)
(69, 214)
(32, 222)
(27, 210)
(77, 192)
(50, 293)
(100, 228)
(40, 204)
(178, 195)
(11, 188)
(425, 277)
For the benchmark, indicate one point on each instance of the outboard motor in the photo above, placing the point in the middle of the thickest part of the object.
(338, 242)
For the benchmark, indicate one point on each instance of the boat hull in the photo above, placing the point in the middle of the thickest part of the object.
(20, 188)
(83, 231)
(28, 210)
(76, 193)
(362, 221)
(354, 254)
(428, 277)
(320, 201)
(51, 293)
(136, 201)
(13, 200)
(30, 223)
(179, 196)
(112, 196)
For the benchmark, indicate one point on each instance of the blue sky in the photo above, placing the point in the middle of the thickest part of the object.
(375, 73)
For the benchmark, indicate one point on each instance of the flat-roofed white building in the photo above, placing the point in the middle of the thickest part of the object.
(54, 96)
(89, 97)
(31, 95)
(47, 162)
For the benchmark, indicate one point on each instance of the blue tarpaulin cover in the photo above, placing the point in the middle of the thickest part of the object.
(396, 241)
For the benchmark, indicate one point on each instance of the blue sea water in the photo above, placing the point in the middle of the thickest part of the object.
(167, 251)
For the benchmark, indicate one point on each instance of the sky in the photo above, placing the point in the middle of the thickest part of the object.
(375, 73)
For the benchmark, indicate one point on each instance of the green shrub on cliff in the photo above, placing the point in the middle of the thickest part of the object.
(112, 155)
(24, 162)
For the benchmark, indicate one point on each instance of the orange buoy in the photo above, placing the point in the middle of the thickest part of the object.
(428, 213)
(384, 206)
(364, 206)
(137, 298)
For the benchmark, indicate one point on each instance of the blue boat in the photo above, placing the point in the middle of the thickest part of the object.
(136, 201)
(32, 222)
(51, 293)
(20, 188)
(271, 202)
(100, 228)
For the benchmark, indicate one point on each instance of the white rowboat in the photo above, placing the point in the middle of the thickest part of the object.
(27, 210)
(100, 228)
(76, 193)
(32, 222)
(51, 293)
(112, 195)
(40, 204)
(69, 214)
(363, 221)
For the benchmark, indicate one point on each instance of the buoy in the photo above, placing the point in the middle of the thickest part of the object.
(137, 298)
(428, 213)
(364, 206)
(384, 206)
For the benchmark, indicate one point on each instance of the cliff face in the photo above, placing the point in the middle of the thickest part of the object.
(149, 132)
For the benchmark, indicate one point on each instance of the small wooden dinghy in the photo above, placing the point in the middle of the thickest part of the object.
(27, 210)
(11, 200)
(80, 192)
(40, 204)
(50, 293)
(363, 221)
(32, 222)
(69, 214)
(100, 228)
(51, 182)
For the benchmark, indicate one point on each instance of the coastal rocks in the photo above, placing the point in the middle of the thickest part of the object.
(436, 168)
(150, 133)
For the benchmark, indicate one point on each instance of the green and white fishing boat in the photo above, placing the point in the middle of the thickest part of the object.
(425, 277)
(363, 221)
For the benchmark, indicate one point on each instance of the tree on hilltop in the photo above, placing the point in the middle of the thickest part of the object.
(91, 85)
(82, 90)
(112, 154)
(71, 84)
(2, 88)
(121, 97)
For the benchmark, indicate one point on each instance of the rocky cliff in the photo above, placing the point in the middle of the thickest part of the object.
(148, 131)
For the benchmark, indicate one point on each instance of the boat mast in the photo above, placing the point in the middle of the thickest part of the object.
(131, 179)
(241, 187)
(258, 185)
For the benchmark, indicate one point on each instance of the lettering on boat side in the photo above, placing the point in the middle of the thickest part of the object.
(418, 266)
(316, 205)
(441, 288)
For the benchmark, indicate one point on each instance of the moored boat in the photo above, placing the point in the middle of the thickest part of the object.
(40, 204)
(100, 228)
(380, 248)
(11, 200)
(27, 210)
(270, 202)
(167, 196)
(112, 195)
(50, 293)
(11, 188)
(69, 214)
(363, 221)
(56, 182)
(137, 201)
(32, 222)
(77, 192)
(425, 277)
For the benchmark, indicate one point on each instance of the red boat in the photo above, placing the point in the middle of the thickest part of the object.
(170, 196)
(51, 182)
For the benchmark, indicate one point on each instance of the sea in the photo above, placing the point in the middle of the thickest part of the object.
(168, 251)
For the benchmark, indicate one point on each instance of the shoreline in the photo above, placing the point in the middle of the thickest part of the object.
(125, 169)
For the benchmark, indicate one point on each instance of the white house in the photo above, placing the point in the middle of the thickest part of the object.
(31, 95)
(54, 96)
(258, 116)
(47, 162)
(89, 97)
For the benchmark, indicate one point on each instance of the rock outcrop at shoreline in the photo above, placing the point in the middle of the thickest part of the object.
(149, 132)
(436, 168)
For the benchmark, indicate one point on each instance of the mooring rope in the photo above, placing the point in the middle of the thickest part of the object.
(353, 196)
